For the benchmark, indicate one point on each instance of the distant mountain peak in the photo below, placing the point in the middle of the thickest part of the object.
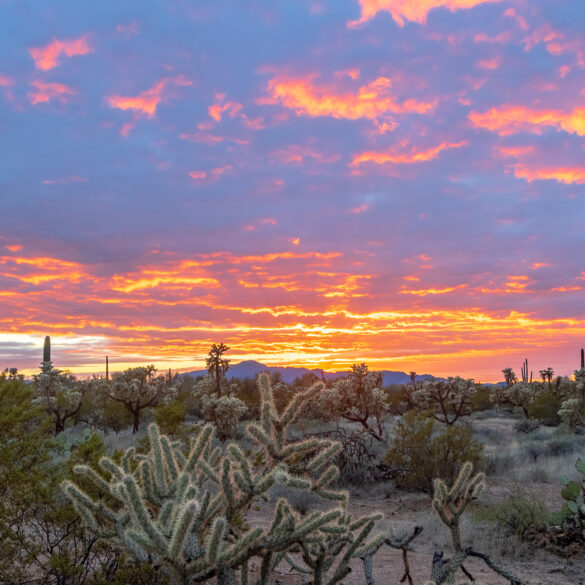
(251, 368)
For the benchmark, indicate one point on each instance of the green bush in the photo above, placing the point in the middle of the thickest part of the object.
(171, 417)
(422, 453)
(546, 408)
(482, 399)
(518, 515)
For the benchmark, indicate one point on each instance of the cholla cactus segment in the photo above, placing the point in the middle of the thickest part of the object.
(450, 504)
(446, 399)
(224, 412)
(571, 412)
(139, 388)
(59, 393)
(185, 511)
(519, 395)
(359, 398)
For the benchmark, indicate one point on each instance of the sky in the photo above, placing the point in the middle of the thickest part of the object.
(311, 182)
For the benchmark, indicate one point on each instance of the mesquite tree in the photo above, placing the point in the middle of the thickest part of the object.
(185, 511)
(137, 389)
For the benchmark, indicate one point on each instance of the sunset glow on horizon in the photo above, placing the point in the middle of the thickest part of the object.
(312, 183)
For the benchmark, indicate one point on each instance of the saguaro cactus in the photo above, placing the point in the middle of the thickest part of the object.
(184, 511)
(47, 350)
(582, 358)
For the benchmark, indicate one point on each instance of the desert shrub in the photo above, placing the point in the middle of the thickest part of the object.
(527, 426)
(482, 399)
(533, 449)
(571, 413)
(101, 413)
(499, 462)
(564, 444)
(171, 417)
(424, 454)
(518, 514)
(545, 408)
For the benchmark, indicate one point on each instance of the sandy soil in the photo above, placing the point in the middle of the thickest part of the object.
(539, 567)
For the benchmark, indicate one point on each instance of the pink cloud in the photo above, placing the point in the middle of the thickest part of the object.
(146, 102)
(45, 92)
(47, 57)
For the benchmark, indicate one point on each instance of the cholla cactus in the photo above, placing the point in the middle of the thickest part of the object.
(450, 504)
(446, 399)
(520, 395)
(571, 412)
(224, 412)
(357, 399)
(59, 393)
(137, 389)
(185, 512)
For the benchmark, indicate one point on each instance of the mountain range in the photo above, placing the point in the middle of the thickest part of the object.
(251, 368)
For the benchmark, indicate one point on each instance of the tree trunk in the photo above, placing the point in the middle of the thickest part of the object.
(217, 380)
(59, 425)
(136, 414)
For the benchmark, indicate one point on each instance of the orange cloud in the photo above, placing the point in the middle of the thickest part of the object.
(45, 92)
(213, 174)
(198, 175)
(146, 102)
(413, 156)
(567, 175)
(372, 101)
(412, 10)
(513, 119)
(217, 109)
(47, 57)
(516, 151)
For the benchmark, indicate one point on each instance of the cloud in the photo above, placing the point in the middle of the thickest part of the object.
(373, 101)
(146, 102)
(6, 81)
(412, 10)
(490, 64)
(65, 180)
(413, 156)
(47, 57)
(45, 92)
(296, 154)
(567, 175)
(217, 109)
(509, 119)
(212, 175)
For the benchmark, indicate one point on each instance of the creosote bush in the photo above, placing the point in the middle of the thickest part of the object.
(424, 454)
